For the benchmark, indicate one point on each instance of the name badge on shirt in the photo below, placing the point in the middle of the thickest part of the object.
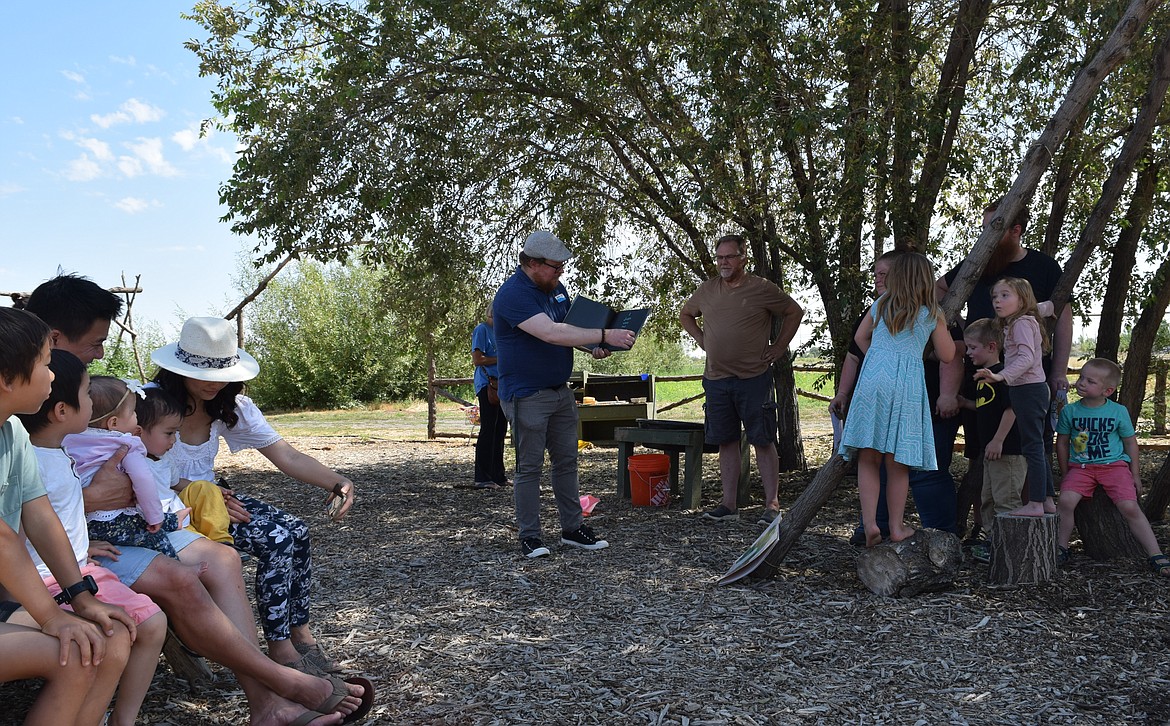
(559, 298)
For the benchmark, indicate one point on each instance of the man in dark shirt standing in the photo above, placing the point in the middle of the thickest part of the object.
(535, 359)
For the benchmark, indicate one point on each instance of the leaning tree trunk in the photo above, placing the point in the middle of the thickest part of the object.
(1103, 530)
(1141, 342)
(1064, 179)
(1158, 497)
(1084, 87)
(1122, 265)
(1132, 149)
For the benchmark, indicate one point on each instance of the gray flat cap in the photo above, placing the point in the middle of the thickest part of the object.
(544, 245)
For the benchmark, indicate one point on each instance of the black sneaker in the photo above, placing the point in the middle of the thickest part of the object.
(721, 514)
(768, 516)
(981, 553)
(584, 538)
(532, 547)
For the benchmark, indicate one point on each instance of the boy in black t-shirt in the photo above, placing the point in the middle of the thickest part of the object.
(996, 440)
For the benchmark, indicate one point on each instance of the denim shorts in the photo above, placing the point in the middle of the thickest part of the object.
(134, 560)
(732, 401)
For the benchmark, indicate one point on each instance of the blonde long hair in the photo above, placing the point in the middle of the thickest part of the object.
(1023, 289)
(909, 288)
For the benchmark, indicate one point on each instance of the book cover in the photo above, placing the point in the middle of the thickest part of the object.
(755, 555)
(586, 313)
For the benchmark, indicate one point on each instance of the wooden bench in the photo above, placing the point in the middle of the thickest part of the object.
(675, 437)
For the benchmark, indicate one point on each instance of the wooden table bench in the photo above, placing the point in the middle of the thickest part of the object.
(675, 440)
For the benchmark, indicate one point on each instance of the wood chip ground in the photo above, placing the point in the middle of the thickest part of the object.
(423, 590)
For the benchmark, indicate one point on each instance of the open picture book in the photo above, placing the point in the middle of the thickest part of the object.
(755, 555)
(586, 313)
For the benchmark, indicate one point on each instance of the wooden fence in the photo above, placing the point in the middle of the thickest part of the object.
(437, 387)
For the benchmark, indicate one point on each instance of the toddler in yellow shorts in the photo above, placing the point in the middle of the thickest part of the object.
(159, 417)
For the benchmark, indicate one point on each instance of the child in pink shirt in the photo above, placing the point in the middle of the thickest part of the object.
(113, 427)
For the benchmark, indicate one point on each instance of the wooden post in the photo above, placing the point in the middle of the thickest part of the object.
(1160, 398)
(1023, 550)
(432, 409)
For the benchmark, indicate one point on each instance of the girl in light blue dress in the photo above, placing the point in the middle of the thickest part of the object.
(889, 421)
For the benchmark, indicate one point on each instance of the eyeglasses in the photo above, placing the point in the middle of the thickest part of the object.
(721, 258)
(558, 268)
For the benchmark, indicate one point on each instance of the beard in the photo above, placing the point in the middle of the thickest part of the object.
(1003, 255)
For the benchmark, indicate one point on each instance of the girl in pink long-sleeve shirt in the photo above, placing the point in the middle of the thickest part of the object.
(1024, 345)
(113, 427)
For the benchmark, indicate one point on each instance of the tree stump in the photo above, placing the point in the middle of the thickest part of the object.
(186, 664)
(1023, 550)
(925, 562)
(1104, 533)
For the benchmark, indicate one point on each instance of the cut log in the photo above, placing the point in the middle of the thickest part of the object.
(1104, 533)
(1023, 550)
(925, 562)
(186, 664)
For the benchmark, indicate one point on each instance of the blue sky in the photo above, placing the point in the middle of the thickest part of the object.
(102, 169)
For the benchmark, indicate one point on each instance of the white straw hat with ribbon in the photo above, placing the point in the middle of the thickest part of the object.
(207, 351)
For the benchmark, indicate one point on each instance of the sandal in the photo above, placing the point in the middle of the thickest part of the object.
(327, 706)
(1160, 564)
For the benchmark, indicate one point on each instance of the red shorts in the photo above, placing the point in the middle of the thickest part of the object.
(1116, 479)
(112, 592)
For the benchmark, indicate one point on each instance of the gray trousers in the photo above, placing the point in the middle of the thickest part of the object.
(546, 420)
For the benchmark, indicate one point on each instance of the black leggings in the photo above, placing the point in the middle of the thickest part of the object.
(1030, 404)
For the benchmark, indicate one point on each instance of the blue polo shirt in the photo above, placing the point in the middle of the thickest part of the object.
(527, 363)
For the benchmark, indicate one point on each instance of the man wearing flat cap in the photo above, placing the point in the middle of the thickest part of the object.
(535, 359)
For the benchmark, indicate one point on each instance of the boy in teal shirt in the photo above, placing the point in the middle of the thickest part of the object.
(1096, 445)
(80, 660)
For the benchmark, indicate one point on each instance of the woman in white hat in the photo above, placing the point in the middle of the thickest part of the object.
(207, 371)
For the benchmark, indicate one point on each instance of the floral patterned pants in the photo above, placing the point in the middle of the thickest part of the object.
(284, 568)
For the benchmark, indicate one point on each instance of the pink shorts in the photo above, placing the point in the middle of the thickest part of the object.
(1116, 479)
(112, 592)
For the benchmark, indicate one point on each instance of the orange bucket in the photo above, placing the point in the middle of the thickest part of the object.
(649, 480)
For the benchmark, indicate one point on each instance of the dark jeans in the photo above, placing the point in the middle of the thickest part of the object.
(489, 446)
(933, 491)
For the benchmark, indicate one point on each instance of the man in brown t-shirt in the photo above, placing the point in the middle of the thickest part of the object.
(737, 310)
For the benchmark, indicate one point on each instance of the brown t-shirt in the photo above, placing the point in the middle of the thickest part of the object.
(737, 324)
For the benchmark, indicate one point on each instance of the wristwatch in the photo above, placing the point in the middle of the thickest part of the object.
(87, 584)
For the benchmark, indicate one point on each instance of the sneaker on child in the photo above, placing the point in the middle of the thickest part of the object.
(532, 547)
(584, 538)
(768, 516)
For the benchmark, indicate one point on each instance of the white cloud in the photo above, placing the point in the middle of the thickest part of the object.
(132, 110)
(100, 149)
(128, 60)
(150, 152)
(73, 76)
(133, 205)
(129, 166)
(16, 120)
(83, 169)
(7, 189)
(188, 138)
